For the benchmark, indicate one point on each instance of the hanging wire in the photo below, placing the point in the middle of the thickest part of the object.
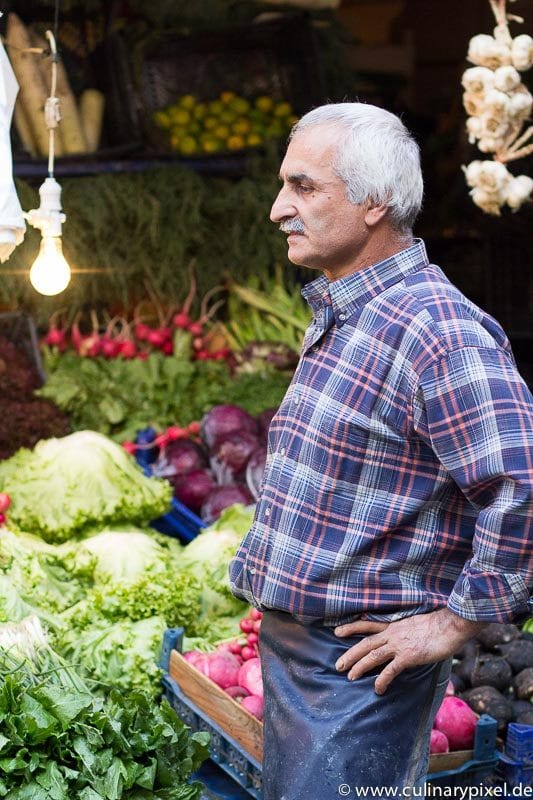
(52, 114)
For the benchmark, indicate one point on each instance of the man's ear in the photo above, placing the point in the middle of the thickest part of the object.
(375, 214)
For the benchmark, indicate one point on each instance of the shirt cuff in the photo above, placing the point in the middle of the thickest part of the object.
(490, 597)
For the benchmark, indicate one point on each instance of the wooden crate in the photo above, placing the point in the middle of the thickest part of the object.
(242, 726)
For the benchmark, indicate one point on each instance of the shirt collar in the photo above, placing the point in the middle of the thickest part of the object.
(355, 290)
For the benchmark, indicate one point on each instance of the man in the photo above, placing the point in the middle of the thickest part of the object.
(396, 513)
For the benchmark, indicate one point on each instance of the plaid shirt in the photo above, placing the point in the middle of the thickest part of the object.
(400, 470)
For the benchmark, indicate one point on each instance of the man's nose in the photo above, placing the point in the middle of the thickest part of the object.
(282, 208)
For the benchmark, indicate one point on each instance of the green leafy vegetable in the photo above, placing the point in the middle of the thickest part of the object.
(65, 486)
(59, 741)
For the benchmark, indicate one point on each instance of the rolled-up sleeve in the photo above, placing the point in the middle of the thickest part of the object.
(476, 413)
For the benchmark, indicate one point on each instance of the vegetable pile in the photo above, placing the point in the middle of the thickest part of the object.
(24, 417)
(58, 740)
(223, 467)
(492, 674)
(65, 486)
(234, 665)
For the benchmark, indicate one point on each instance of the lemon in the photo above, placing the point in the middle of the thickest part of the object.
(187, 101)
(225, 97)
(215, 107)
(180, 116)
(211, 145)
(264, 103)
(199, 111)
(188, 145)
(240, 105)
(241, 126)
(282, 110)
(235, 142)
(253, 139)
(210, 123)
(227, 116)
(162, 119)
(221, 131)
(175, 141)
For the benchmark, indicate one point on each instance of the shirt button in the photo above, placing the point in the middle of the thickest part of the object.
(296, 399)
(267, 512)
(282, 451)
(314, 348)
(252, 570)
(342, 317)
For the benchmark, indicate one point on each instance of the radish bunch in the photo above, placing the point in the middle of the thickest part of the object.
(235, 666)
(5, 502)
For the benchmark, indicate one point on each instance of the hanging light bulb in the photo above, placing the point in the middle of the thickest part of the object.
(50, 272)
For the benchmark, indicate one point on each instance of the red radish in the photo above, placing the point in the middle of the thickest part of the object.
(128, 349)
(56, 337)
(237, 692)
(438, 742)
(194, 427)
(141, 331)
(192, 656)
(142, 355)
(202, 663)
(256, 614)
(181, 320)
(167, 348)
(254, 704)
(196, 329)
(223, 668)
(248, 652)
(235, 647)
(174, 432)
(129, 447)
(246, 625)
(252, 638)
(250, 676)
(257, 625)
(5, 502)
(458, 722)
(2, 519)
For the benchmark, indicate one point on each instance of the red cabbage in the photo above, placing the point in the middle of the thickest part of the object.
(264, 419)
(254, 470)
(221, 497)
(194, 487)
(184, 456)
(230, 455)
(224, 419)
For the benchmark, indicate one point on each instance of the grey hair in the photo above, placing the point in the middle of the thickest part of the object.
(377, 158)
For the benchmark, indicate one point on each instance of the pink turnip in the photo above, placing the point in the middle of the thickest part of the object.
(250, 676)
(224, 668)
(438, 742)
(237, 692)
(254, 704)
(457, 721)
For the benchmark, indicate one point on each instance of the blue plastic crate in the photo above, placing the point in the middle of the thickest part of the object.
(519, 742)
(245, 771)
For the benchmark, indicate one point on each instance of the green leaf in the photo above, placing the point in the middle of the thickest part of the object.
(112, 409)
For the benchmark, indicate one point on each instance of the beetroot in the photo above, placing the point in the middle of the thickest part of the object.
(193, 488)
(221, 497)
(254, 704)
(224, 419)
(438, 742)
(250, 676)
(457, 721)
(224, 668)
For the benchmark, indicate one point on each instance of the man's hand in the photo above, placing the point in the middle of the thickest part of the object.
(408, 642)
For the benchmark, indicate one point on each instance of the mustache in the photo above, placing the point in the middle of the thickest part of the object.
(294, 225)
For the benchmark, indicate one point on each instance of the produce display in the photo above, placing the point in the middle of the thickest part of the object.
(66, 742)
(81, 121)
(25, 418)
(228, 122)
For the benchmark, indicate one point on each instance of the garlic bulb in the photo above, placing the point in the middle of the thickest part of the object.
(472, 172)
(518, 190)
(522, 52)
(478, 80)
(473, 103)
(490, 144)
(506, 79)
(486, 201)
(493, 126)
(493, 176)
(485, 51)
(474, 128)
(520, 104)
(498, 102)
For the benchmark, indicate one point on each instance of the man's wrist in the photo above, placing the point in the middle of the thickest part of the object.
(460, 626)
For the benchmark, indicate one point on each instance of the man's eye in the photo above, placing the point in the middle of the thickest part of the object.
(305, 189)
